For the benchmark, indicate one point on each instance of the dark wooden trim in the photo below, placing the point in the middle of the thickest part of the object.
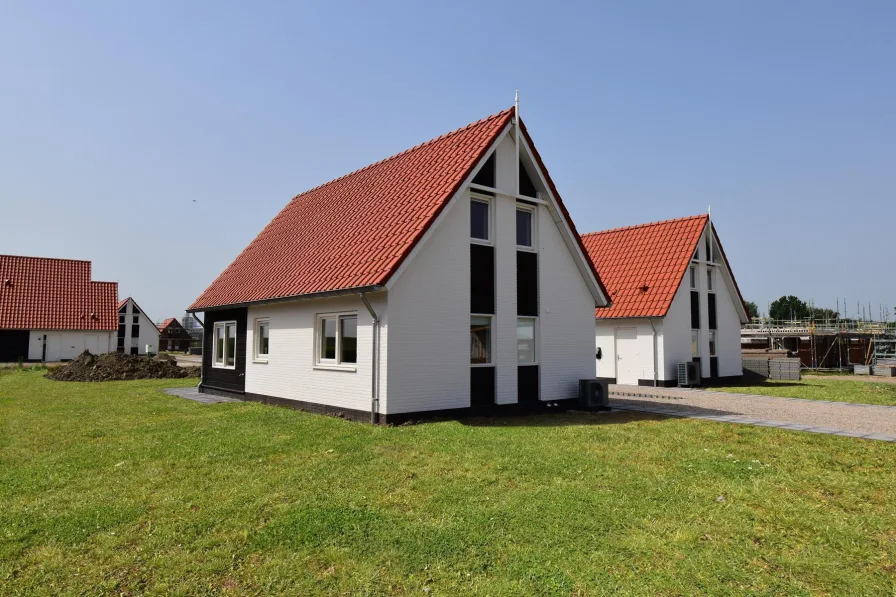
(14, 345)
(218, 377)
(660, 383)
(361, 416)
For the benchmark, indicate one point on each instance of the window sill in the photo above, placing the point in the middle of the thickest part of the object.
(482, 364)
(223, 367)
(344, 368)
(480, 241)
(259, 361)
(526, 249)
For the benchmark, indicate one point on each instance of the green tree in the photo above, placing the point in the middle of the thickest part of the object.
(819, 314)
(752, 309)
(788, 307)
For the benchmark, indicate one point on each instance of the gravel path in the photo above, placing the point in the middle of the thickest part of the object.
(838, 418)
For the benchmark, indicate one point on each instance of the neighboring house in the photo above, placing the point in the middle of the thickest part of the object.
(173, 336)
(446, 278)
(193, 327)
(50, 309)
(674, 300)
(137, 334)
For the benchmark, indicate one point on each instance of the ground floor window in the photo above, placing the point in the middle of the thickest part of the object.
(695, 343)
(224, 347)
(480, 339)
(712, 344)
(262, 338)
(525, 340)
(337, 339)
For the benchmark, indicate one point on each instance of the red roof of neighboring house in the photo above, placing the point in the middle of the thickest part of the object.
(40, 293)
(165, 324)
(654, 256)
(354, 232)
(122, 302)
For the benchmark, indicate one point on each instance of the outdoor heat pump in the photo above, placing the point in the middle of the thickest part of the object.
(688, 374)
(594, 394)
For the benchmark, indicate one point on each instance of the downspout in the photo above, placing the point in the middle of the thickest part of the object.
(201, 368)
(374, 362)
(655, 359)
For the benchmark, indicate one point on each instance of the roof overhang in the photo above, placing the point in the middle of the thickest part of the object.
(292, 299)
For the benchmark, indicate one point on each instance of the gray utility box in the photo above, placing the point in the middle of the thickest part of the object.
(884, 371)
(594, 394)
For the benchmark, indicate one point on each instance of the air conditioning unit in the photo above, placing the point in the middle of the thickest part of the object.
(594, 394)
(688, 374)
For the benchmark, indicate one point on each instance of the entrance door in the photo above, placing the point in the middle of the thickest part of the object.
(54, 348)
(92, 343)
(627, 356)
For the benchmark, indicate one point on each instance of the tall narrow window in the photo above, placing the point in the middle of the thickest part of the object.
(224, 347)
(712, 344)
(524, 228)
(709, 286)
(693, 277)
(479, 216)
(525, 340)
(337, 340)
(262, 338)
(695, 343)
(480, 340)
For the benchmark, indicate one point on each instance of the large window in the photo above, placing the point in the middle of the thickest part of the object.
(480, 339)
(524, 221)
(225, 345)
(337, 339)
(525, 340)
(262, 338)
(479, 220)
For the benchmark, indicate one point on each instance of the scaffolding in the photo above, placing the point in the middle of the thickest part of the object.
(827, 344)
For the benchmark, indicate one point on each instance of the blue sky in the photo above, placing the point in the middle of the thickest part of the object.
(116, 117)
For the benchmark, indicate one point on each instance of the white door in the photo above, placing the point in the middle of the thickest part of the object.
(627, 356)
(92, 343)
(54, 348)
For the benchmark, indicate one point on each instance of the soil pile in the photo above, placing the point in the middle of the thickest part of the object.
(117, 366)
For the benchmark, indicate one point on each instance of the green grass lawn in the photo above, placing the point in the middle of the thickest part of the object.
(821, 388)
(116, 488)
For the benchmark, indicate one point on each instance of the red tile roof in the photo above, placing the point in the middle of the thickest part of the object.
(653, 256)
(165, 324)
(122, 302)
(39, 293)
(355, 231)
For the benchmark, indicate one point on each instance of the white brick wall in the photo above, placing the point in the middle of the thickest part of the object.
(606, 331)
(62, 344)
(290, 371)
(505, 351)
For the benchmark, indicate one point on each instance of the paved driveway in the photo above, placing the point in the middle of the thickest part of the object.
(837, 418)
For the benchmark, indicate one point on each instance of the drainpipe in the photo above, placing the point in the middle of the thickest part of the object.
(202, 346)
(374, 362)
(655, 360)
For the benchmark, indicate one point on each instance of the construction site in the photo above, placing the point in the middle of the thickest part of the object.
(864, 347)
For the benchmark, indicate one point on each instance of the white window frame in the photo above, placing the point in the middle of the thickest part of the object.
(490, 202)
(336, 363)
(710, 282)
(532, 223)
(534, 321)
(713, 343)
(223, 326)
(692, 277)
(491, 339)
(257, 355)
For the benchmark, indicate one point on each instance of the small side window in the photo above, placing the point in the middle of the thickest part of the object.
(262, 338)
(479, 220)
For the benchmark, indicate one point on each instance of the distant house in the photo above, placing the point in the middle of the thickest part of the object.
(173, 336)
(446, 279)
(50, 309)
(137, 334)
(674, 300)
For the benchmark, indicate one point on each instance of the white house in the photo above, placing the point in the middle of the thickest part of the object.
(445, 279)
(50, 310)
(674, 300)
(137, 333)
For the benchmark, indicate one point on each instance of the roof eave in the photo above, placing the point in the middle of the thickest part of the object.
(290, 299)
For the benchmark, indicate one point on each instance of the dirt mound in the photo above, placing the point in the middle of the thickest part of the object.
(118, 366)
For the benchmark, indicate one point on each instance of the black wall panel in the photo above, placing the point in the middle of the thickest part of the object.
(14, 345)
(482, 386)
(712, 311)
(482, 279)
(527, 283)
(226, 379)
(695, 310)
(527, 384)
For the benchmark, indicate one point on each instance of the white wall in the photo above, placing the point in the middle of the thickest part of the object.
(429, 320)
(290, 371)
(149, 333)
(728, 346)
(505, 348)
(605, 338)
(677, 332)
(67, 344)
(566, 316)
